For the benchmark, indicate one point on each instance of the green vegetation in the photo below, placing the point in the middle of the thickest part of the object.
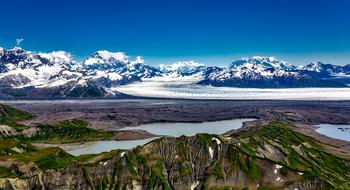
(62, 132)
(157, 177)
(14, 146)
(218, 170)
(49, 158)
(185, 169)
(251, 168)
(10, 116)
(6, 173)
(69, 131)
(206, 139)
(303, 153)
(220, 188)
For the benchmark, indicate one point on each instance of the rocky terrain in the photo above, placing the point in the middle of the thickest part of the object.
(113, 114)
(278, 151)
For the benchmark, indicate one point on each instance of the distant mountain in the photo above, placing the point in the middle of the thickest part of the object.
(55, 74)
(185, 68)
(330, 69)
(260, 63)
(266, 72)
(117, 62)
(21, 68)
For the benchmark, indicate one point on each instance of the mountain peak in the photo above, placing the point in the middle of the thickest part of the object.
(57, 57)
(104, 56)
(138, 60)
(107, 57)
(180, 66)
(261, 61)
(324, 68)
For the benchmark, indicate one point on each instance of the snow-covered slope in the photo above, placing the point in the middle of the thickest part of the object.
(36, 69)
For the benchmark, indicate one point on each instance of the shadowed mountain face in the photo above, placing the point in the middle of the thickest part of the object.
(56, 74)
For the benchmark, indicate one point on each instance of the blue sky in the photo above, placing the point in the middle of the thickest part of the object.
(164, 31)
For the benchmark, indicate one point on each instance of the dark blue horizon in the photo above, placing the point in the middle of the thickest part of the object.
(212, 32)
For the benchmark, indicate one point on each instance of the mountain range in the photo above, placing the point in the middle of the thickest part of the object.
(57, 75)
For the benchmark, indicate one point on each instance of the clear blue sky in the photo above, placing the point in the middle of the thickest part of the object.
(163, 31)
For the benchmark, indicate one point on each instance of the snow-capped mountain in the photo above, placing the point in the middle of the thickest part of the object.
(260, 63)
(266, 72)
(330, 69)
(110, 69)
(255, 68)
(118, 63)
(184, 68)
(35, 69)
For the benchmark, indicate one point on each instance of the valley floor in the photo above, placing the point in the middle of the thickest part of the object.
(113, 114)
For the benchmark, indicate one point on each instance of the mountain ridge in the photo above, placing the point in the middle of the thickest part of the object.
(58, 73)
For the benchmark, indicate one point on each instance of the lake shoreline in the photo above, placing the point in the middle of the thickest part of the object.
(163, 130)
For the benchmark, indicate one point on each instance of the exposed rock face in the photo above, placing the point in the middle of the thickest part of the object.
(271, 156)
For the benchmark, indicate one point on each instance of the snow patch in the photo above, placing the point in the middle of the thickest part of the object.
(194, 185)
(211, 152)
(216, 140)
(278, 166)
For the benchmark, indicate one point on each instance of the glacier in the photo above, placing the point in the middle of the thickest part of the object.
(188, 89)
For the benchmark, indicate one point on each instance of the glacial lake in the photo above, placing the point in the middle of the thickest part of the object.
(190, 129)
(164, 129)
(341, 132)
(104, 146)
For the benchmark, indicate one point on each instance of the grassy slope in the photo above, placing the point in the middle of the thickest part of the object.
(62, 132)
(19, 147)
(304, 153)
(69, 131)
(10, 116)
